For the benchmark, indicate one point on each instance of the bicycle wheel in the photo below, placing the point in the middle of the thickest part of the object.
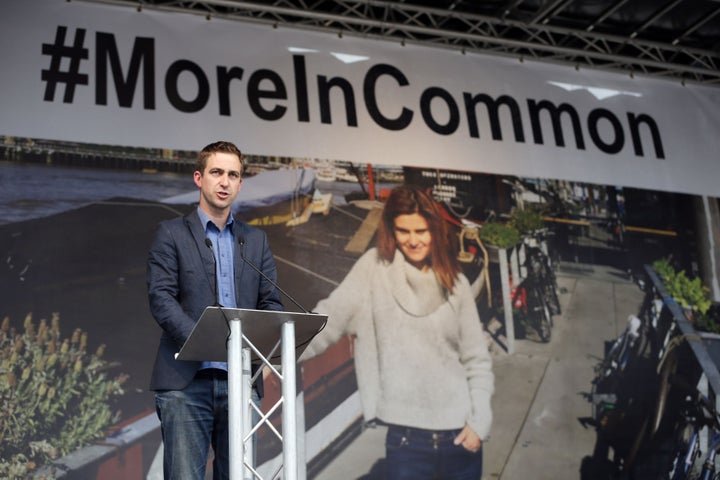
(668, 446)
(687, 452)
(673, 456)
(539, 313)
(538, 264)
(549, 283)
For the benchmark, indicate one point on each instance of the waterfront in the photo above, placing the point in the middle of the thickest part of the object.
(30, 191)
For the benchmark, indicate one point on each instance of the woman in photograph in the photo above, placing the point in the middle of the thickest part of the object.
(421, 355)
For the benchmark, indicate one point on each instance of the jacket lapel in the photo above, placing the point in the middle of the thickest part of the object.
(197, 231)
(239, 263)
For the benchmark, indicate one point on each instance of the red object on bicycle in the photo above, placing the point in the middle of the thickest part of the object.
(519, 300)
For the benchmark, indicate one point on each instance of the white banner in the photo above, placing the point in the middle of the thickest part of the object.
(112, 75)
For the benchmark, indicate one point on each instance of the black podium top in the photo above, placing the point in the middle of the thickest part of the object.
(208, 340)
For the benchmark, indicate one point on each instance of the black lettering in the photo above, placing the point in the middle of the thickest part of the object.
(324, 87)
(595, 116)
(171, 86)
(224, 77)
(454, 113)
(301, 91)
(555, 112)
(371, 103)
(267, 98)
(256, 94)
(635, 121)
(143, 54)
(493, 107)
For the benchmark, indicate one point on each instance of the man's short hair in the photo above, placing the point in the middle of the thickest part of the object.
(219, 147)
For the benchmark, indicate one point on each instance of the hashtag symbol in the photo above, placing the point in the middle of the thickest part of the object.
(70, 76)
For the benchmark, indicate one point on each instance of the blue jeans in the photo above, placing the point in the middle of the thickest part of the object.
(192, 420)
(416, 454)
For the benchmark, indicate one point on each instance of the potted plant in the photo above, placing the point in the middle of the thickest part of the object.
(500, 235)
(689, 293)
(527, 220)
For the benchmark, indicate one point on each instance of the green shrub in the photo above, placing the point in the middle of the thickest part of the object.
(55, 395)
(663, 268)
(501, 235)
(689, 293)
(527, 220)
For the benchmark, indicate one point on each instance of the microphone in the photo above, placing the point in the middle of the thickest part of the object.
(241, 241)
(209, 244)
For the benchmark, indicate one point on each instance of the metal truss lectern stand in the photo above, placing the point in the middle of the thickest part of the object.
(255, 336)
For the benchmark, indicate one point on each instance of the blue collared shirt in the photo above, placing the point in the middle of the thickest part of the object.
(223, 244)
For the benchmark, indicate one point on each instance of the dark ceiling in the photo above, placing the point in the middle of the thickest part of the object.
(673, 39)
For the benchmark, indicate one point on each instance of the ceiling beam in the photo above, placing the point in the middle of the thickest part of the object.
(536, 38)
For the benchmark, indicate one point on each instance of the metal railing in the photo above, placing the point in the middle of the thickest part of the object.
(694, 339)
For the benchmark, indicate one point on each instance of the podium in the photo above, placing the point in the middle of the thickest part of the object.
(254, 336)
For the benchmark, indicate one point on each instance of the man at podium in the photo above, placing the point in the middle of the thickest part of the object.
(196, 261)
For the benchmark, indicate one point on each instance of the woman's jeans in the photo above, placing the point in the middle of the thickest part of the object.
(417, 454)
(192, 420)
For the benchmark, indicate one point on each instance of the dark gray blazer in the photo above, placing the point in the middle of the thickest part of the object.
(181, 283)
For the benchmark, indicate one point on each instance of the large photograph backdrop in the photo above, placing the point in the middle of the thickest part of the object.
(79, 253)
(617, 169)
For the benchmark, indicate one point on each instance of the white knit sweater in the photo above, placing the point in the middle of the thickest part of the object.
(421, 359)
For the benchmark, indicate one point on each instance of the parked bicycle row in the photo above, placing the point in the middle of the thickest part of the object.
(654, 393)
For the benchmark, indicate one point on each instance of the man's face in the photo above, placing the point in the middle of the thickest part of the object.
(220, 183)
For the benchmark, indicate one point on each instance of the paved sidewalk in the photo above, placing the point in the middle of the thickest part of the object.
(539, 393)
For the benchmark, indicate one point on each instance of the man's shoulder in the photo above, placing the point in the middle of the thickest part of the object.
(176, 222)
(246, 229)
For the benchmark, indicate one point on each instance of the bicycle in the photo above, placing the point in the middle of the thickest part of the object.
(646, 402)
(528, 298)
(542, 266)
(639, 337)
(668, 444)
(621, 395)
(708, 469)
(695, 415)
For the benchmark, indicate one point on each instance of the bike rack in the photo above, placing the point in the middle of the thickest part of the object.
(711, 376)
(505, 289)
(694, 339)
(511, 261)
